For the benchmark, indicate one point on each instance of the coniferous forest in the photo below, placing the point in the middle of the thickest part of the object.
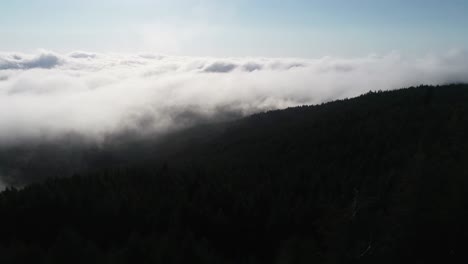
(381, 178)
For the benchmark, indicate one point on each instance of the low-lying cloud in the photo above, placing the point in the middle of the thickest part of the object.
(17, 62)
(50, 94)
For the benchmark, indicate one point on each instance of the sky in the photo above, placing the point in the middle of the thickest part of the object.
(239, 28)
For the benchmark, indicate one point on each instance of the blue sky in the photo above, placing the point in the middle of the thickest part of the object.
(312, 28)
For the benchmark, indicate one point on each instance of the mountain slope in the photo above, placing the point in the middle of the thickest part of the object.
(376, 179)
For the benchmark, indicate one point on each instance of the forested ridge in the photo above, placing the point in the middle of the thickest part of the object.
(381, 178)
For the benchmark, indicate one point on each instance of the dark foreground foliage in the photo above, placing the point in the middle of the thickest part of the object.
(382, 178)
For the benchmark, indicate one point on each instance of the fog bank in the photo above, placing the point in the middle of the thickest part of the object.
(45, 95)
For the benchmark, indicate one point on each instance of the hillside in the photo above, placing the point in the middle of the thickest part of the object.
(381, 178)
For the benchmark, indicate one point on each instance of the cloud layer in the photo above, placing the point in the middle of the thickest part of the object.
(49, 94)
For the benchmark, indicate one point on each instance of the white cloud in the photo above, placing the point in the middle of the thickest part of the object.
(47, 94)
(82, 55)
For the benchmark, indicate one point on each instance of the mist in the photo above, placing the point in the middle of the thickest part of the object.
(47, 94)
(2, 185)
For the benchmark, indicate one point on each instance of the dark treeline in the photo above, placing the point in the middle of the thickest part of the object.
(381, 178)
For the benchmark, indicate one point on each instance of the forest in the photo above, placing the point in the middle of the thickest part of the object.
(380, 178)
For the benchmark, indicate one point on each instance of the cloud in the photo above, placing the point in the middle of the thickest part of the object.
(17, 62)
(82, 55)
(252, 66)
(46, 95)
(221, 67)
